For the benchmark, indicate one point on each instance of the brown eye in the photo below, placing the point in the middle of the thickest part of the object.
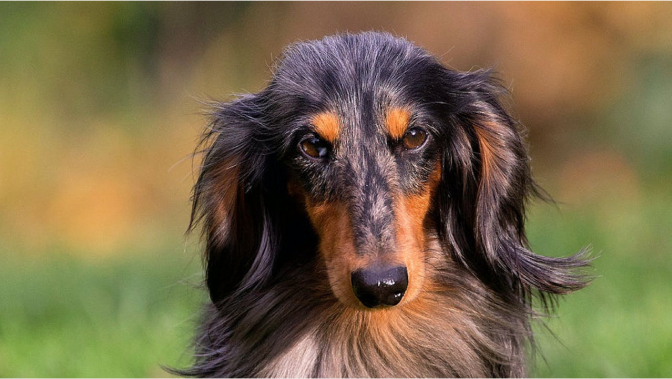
(414, 138)
(315, 147)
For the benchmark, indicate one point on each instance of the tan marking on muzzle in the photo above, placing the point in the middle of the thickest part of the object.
(411, 214)
(337, 246)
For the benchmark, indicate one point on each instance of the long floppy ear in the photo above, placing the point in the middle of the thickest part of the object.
(229, 198)
(486, 187)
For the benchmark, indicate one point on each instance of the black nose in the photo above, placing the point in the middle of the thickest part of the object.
(380, 287)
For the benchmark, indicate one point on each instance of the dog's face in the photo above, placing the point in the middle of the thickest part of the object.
(366, 147)
(363, 147)
(366, 176)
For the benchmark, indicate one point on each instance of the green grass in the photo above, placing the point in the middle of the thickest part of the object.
(125, 316)
(64, 317)
(621, 325)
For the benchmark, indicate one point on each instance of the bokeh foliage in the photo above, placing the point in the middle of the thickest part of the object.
(101, 107)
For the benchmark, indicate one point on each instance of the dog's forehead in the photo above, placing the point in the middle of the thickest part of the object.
(339, 62)
(349, 65)
(353, 86)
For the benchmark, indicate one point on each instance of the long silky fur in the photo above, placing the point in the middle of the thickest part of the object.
(273, 313)
(297, 328)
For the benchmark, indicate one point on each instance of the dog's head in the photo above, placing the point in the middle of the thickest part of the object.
(360, 149)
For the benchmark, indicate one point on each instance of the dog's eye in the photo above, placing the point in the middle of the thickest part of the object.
(414, 138)
(315, 147)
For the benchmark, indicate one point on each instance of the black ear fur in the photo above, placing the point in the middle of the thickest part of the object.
(230, 197)
(486, 185)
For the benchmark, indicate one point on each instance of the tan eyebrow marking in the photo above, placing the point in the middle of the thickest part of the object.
(327, 125)
(397, 121)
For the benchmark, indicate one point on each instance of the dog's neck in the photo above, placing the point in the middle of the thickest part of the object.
(409, 343)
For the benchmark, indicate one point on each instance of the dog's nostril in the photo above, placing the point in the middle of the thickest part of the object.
(380, 287)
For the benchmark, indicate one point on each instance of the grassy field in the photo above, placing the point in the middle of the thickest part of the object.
(621, 325)
(68, 317)
(126, 316)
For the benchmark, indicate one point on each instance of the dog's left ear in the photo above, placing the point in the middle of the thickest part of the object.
(486, 184)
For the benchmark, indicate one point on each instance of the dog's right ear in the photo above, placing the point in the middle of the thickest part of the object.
(228, 198)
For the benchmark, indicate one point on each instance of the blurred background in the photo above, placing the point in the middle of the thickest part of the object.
(101, 107)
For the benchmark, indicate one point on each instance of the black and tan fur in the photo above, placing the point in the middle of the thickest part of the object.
(285, 230)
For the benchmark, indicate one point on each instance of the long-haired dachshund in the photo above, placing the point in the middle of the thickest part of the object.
(364, 216)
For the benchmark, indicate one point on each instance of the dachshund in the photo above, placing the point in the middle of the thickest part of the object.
(363, 216)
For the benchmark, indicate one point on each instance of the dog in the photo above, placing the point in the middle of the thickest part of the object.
(363, 216)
